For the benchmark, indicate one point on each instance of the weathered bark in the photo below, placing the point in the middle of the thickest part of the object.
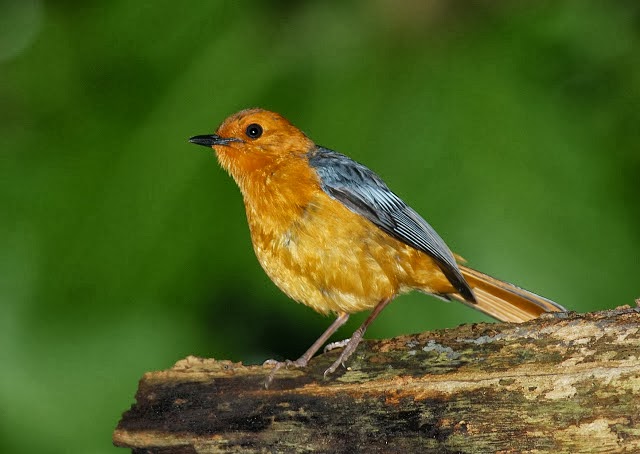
(569, 383)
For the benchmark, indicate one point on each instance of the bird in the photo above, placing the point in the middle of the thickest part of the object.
(331, 235)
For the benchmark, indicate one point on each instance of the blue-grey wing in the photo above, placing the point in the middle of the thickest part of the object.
(364, 193)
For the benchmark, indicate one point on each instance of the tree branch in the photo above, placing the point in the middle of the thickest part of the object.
(565, 383)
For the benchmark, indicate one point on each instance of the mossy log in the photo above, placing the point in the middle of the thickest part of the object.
(564, 383)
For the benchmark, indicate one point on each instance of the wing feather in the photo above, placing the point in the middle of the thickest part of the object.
(364, 193)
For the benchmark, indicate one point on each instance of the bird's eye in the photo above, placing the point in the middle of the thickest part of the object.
(253, 131)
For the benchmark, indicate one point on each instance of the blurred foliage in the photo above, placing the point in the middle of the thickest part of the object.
(511, 126)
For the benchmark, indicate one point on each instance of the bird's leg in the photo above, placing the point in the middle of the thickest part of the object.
(356, 337)
(304, 359)
(337, 323)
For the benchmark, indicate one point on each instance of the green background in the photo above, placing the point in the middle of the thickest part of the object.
(513, 127)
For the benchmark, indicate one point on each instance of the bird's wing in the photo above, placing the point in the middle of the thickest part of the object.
(364, 193)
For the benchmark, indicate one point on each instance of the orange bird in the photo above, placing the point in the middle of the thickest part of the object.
(331, 234)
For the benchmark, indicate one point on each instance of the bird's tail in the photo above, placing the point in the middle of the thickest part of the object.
(503, 301)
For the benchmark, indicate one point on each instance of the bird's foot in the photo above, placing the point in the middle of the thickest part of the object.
(277, 365)
(334, 345)
(349, 345)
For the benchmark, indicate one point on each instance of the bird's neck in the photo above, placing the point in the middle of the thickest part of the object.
(277, 194)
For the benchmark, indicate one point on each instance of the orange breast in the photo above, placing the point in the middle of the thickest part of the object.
(323, 255)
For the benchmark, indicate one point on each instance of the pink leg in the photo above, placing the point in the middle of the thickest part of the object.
(357, 337)
(304, 359)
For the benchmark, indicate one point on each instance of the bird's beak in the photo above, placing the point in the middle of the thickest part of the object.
(210, 140)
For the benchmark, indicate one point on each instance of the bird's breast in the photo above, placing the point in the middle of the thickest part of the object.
(323, 255)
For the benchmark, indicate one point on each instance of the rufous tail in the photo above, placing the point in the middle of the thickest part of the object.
(504, 301)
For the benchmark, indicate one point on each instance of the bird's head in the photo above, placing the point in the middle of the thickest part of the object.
(255, 139)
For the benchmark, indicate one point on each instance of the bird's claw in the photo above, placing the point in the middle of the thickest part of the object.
(277, 365)
(333, 368)
(334, 345)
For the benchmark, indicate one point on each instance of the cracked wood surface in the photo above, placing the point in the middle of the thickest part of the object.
(569, 383)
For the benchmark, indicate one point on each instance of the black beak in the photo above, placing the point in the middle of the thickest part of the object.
(210, 140)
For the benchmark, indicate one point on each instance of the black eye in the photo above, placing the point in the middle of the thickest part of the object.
(254, 130)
